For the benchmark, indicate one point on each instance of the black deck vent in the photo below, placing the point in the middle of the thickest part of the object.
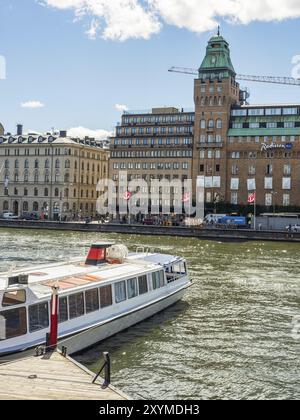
(20, 279)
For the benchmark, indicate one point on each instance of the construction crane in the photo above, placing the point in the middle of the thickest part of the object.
(262, 79)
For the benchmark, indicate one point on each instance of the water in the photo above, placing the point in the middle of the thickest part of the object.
(236, 335)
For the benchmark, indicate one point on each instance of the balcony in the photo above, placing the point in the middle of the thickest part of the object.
(213, 145)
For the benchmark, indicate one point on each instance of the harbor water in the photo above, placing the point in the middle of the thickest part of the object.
(236, 334)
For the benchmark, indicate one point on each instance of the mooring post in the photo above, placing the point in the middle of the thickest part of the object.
(54, 319)
(106, 368)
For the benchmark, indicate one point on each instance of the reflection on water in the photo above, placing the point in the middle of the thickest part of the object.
(233, 336)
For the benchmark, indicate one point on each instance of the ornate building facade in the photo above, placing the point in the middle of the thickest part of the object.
(51, 176)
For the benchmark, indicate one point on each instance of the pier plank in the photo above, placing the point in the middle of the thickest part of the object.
(53, 377)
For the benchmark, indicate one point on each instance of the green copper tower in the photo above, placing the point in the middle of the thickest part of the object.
(217, 62)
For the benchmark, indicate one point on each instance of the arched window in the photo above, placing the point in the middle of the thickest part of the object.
(75, 193)
(25, 192)
(66, 193)
(67, 178)
(75, 165)
(67, 164)
(36, 176)
(25, 206)
(36, 192)
(56, 178)
(47, 164)
(86, 207)
(57, 164)
(211, 124)
(36, 164)
(35, 206)
(87, 180)
(26, 164)
(5, 205)
(203, 101)
(219, 123)
(203, 124)
(16, 177)
(211, 101)
(7, 164)
(56, 192)
(16, 164)
(46, 192)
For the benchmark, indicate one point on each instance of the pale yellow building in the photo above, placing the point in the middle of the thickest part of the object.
(53, 176)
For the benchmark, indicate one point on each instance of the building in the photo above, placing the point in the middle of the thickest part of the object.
(153, 145)
(241, 148)
(1, 130)
(51, 175)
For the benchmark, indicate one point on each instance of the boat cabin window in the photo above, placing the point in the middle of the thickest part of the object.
(120, 291)
(105, 296)
(13, 298)
(76, 305)
(158, 280)
(63, 310)
(179, 268)
(143, 285)
(132, 288)
(38, 317)
(92, 301)
(13, 323)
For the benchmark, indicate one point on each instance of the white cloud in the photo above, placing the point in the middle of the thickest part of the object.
(121, 108)
(82, 132)
(32, 104)
(125, 19)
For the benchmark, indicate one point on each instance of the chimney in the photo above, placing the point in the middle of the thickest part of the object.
(63, 134)
(20, 130)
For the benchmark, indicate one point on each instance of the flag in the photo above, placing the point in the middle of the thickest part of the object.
(186, 197)
(127, 195)
(252, 198)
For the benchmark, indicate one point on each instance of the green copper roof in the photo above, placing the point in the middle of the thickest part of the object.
(217, 56)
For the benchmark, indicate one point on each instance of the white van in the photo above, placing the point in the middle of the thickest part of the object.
(9, 216)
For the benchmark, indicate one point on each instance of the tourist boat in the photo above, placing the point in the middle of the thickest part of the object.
(81, 303)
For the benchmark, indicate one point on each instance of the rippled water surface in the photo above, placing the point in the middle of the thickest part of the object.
(235, 334)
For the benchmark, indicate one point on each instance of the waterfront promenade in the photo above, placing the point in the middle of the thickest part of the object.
(193, 232)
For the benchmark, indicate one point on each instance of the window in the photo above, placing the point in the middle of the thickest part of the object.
(202, 124)
(234, 198)
(38, 317)
(287, 170)
(158, 280)
(286, 199)
(63, 310)
(132, 288)
(76, 305)
(105, 296)
(13, 298)
(268, 200)
(219, 123)
(143, 285)
(120, 291)
(13, 323)
(92, 301)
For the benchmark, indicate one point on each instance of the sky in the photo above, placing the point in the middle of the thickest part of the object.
(77, 64)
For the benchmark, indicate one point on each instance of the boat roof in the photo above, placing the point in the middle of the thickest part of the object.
(72, 275)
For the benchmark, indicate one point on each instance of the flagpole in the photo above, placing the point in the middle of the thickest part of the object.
(255, 211)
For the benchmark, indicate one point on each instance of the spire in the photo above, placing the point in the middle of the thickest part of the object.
(219, 33)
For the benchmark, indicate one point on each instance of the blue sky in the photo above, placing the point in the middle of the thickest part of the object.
(79, 80)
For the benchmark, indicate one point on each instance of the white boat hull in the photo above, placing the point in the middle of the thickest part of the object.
(92, 336)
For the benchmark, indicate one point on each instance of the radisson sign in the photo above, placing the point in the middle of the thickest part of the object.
(266, 147)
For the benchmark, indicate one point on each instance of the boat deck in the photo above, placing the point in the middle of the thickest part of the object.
(51, 377)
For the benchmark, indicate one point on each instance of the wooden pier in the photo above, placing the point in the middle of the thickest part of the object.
(52, 377)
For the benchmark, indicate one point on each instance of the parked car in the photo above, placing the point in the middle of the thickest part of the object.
(30, 216)
(294, 228)
(9, 216)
